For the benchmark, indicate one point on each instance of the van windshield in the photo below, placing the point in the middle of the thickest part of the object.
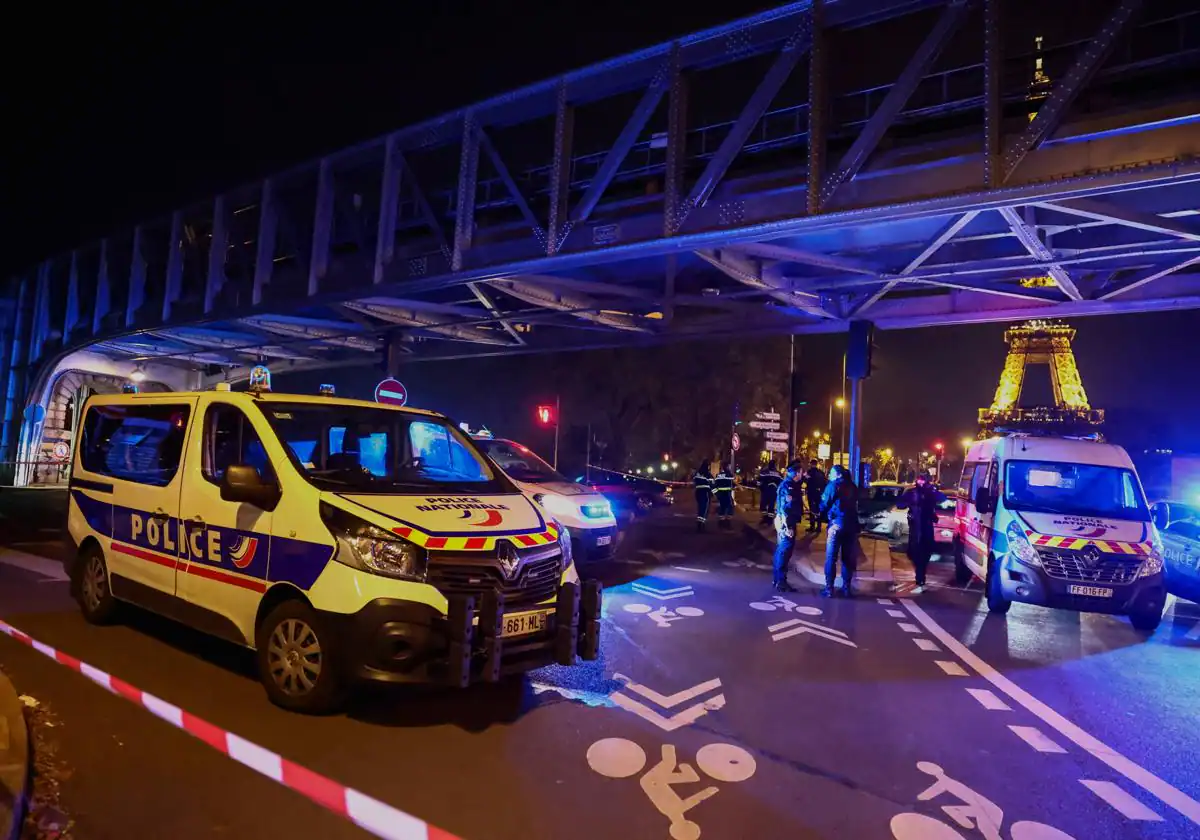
(1079, 489)
(379, 450)
(519, 462)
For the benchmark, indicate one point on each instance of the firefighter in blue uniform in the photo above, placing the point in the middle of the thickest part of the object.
(702, 481)
(789, 511)
(723, 489)
(768, 486)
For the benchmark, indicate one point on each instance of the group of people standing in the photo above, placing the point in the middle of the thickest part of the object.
(832, 500)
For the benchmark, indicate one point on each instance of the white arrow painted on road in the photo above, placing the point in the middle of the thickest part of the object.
(662, 594)
(799, 626)
(683, 718)
(47, 568)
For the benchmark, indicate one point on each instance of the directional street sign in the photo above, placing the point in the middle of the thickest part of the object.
(766, 415)
(764, 424)
(775, 435)
(776, 446)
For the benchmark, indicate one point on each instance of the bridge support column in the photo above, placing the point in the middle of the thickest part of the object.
(16, 350)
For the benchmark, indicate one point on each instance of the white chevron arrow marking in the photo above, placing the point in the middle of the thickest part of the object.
(663, 594)
(799, 626)
(682, 718)
(672, 700)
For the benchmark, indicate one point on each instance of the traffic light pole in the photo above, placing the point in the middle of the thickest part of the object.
(557, 426)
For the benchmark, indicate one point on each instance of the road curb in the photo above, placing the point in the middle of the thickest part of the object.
(14, 761)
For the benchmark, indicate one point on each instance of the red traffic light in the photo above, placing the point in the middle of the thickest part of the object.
(939, 446)
(545, 415)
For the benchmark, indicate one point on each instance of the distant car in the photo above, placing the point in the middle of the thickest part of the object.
(892, 523)
(1179, 526)
(630, 495)
(876, 499)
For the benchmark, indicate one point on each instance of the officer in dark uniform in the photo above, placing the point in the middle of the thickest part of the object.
(723, 490)
(768, 486)
(814, 487)
(702, 482)
(839, 507)
(921, 501)
(789, 511)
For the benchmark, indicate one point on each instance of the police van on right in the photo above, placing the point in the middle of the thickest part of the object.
(1059, 522)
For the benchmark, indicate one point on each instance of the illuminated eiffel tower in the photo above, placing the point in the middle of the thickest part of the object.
(1040, 343)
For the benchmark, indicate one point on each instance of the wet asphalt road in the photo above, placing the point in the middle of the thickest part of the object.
(716, 711)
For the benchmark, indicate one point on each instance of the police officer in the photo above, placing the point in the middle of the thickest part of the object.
(921, 501)
(814, 487)
(839, 507)
(702, 482)
(789, 511)
(723, 489)
(768, 486)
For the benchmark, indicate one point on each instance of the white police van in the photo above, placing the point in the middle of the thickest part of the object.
(1060, 522)
(341, 540)
(587, 515)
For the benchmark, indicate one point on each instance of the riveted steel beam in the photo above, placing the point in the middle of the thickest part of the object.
(818, 107)
(1141, 278)
(217, 249)
(993, 114)
(322, 236)
(918, 67)
(71, 316)
(103, 300)
(173, 282)
(1028, 238)
(1103, 211)
(514, 191)
(264, 246)
(676, 144)
(793, 50)
(1051, 112)
(468, 170)
(389, 197)
(137, 277)
(559, 225)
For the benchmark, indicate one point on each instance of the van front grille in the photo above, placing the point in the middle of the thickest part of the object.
(473, 573)
(1072, 565)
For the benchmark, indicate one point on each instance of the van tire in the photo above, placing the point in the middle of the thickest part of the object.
(1146, 620)
(288, 629)
(996, 600)
(962, 572)
(92, 587)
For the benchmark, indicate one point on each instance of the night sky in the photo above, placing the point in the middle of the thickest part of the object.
(129, 113)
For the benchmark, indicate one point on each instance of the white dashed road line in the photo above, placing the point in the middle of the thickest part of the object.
(1140, 776)
(928, 645)
(1121, 800)
(1037, 739)
(896, 613)
(887, 602)
(909, 628)
(989, 700)
(951, 668)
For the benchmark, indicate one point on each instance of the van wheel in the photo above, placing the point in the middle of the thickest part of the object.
(962, 572)
(996, 601)
(91, 585)
(1147, 619)
(296, 660)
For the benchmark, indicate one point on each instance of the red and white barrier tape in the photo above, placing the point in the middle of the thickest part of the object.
(378, 818)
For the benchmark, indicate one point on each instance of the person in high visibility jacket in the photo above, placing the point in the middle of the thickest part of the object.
(702, 482)
(723, 489)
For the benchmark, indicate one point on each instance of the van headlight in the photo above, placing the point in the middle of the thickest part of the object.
(556, 505)
(363, 546)
(564, 545)
(1020, 547)
(1153, 564)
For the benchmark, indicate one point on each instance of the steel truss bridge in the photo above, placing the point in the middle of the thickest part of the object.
(910, 162)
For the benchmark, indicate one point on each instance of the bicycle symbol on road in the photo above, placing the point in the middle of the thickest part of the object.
(662, 616)
(620, 758)
(743, 563)
(976, 812)
(778, 603)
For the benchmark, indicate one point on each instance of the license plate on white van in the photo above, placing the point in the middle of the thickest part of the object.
(1090, 591)
(605, 540)
(523, 624)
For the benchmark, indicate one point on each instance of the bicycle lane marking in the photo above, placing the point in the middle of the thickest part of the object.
(1143, 778)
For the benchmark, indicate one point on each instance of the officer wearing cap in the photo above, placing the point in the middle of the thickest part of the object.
(789, 509)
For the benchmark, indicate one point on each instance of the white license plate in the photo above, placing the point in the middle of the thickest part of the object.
(605, 540)
(523, 624)
(1090, 591)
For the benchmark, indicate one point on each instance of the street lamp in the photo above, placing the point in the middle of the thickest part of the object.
(840, 405)
(966, 442)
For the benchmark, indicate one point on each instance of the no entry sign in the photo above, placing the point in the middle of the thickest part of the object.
(391, 392)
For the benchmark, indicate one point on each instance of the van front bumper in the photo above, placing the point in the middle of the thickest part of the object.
(593, 543)
(395, 641)
(1032, 585)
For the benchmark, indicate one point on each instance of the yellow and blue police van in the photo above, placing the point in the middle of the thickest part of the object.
(339, 539)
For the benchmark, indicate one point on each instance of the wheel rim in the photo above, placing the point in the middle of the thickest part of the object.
(294, 657)
(94, 584)
(643, 503)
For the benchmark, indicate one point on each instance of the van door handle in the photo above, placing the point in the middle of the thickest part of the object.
(197, 520)
(159, 513)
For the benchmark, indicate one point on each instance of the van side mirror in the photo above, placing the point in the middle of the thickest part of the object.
(243, 483)
(985, 502)
(1160, 515)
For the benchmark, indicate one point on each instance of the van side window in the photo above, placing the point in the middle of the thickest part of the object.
(142, 443)
(964, 481)
(230, 439)
(980, 478)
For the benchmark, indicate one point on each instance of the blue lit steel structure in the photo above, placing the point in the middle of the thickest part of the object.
(758, 177)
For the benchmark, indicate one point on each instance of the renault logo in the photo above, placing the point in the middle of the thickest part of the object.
(1091, 556)
(510, 561)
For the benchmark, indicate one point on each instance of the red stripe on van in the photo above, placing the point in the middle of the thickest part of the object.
(436, 542)
(475, 543)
